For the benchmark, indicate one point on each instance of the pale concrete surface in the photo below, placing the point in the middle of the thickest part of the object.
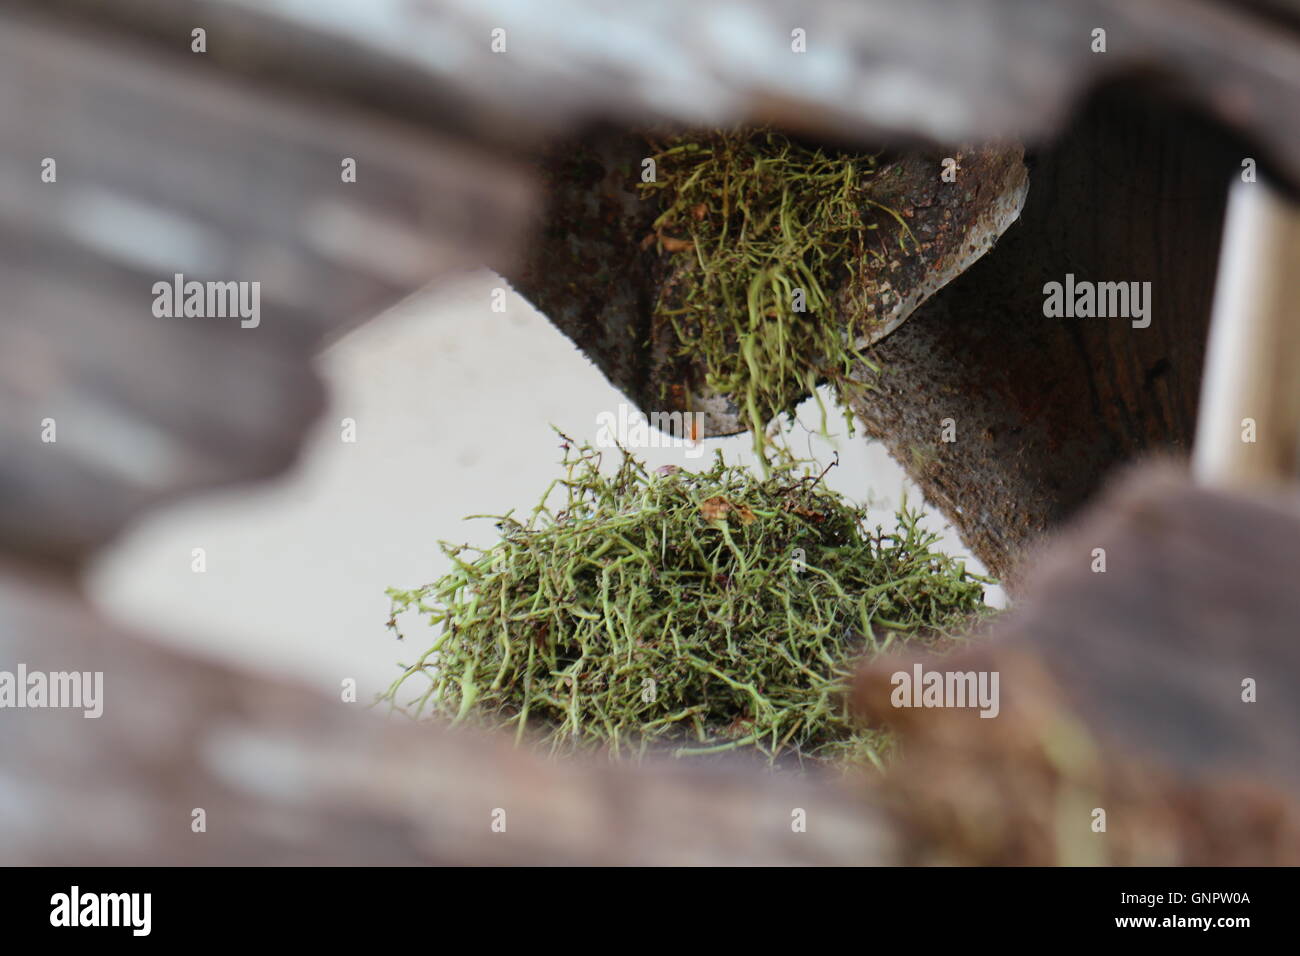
(453, 405)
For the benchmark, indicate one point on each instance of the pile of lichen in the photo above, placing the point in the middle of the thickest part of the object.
(708, 611)
(749, 218)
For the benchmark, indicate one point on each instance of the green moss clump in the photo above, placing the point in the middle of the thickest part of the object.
(762, 231)
(708, 611)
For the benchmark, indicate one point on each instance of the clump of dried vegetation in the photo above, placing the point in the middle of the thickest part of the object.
(704, 611)
(762, 231)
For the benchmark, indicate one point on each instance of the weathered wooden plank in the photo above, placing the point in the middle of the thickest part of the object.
(167, 164)
(164, 166)
(290, 776)
(1126, 690)
(948, 70)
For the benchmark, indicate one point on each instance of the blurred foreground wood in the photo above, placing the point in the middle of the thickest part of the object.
(166, 166)
(1123, 690)
(935, 70)
(1119, 690)
(290, 776)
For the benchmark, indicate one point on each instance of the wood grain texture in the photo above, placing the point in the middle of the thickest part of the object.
(1046, 407)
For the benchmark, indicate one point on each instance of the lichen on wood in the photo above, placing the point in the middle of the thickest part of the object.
(653, 280)
(703, 611)
(762, 231)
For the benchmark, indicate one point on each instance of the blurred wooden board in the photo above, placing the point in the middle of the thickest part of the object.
(292, 776)
(945, 70)
(1124, 690)
(166, 166)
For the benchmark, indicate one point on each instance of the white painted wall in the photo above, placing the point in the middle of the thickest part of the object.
(453, 404)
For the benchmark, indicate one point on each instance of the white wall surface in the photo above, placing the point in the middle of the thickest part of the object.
(453, 404)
